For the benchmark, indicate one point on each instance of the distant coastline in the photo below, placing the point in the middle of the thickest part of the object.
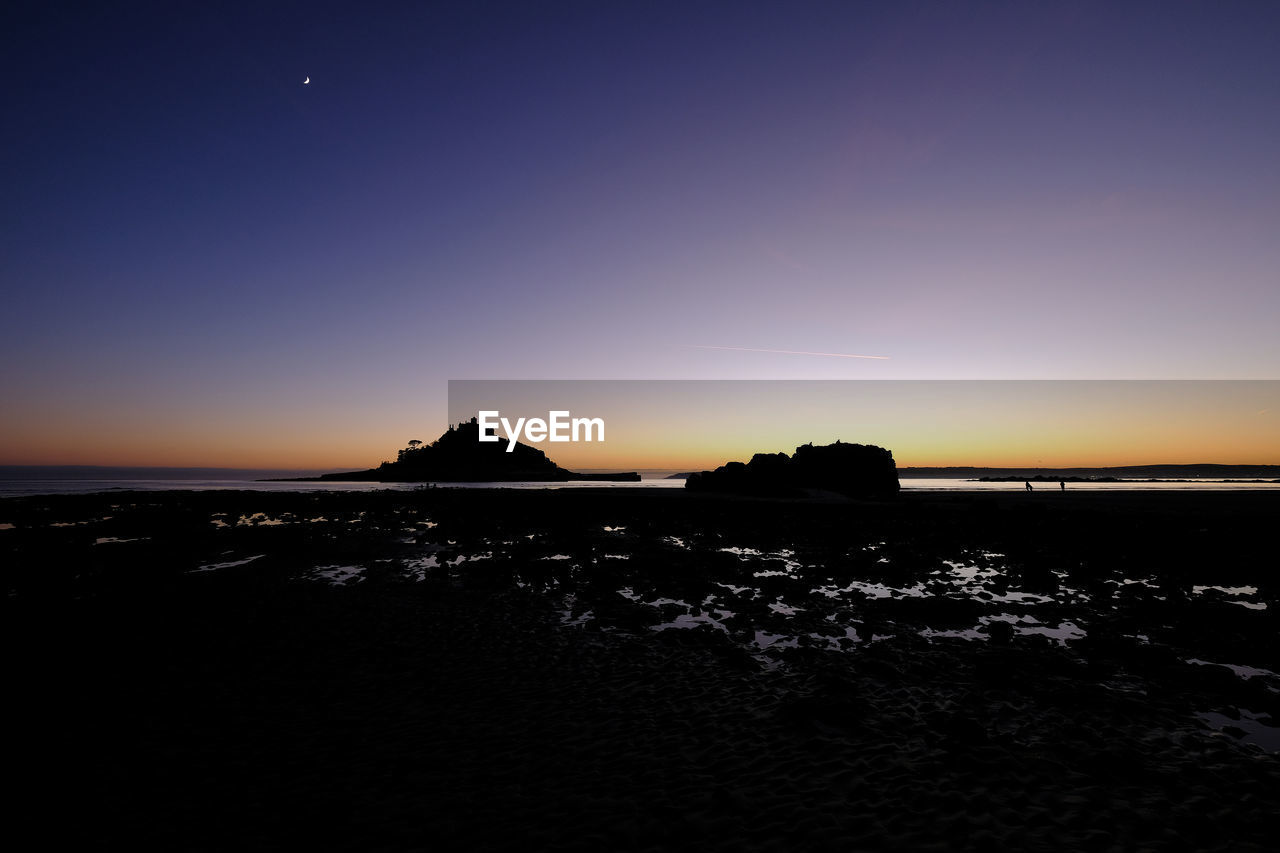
(1041, 478)
(133, 472)
(1152, 473)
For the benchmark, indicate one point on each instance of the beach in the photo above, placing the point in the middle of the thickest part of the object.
(630, 669)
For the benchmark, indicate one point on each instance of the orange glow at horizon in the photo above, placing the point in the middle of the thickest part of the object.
(353, 454)
(687, 426)
(695, 427)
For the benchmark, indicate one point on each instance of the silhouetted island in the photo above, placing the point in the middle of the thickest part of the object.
(458, 456)
(856, 470)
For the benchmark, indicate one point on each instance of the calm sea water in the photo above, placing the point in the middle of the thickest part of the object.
(17, 487)
(941, 485)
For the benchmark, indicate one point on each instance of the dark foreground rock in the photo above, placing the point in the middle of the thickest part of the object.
(622, 670)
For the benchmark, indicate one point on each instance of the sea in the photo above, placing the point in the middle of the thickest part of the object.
(14, 487)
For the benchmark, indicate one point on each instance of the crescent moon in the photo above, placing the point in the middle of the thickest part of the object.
(305, 82)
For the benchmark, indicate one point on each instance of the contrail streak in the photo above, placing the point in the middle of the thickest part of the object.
(794, 352)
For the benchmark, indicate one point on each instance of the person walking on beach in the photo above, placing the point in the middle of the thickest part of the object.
(1062, 484)
(1028, 485)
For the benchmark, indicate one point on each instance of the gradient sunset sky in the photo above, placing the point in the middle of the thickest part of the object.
(207, 262)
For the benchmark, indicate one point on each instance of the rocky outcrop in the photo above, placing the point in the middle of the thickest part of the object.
(856, 470)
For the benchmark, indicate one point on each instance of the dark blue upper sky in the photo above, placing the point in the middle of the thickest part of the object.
(197, 242)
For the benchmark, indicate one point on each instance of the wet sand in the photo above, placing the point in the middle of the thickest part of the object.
(618, 670)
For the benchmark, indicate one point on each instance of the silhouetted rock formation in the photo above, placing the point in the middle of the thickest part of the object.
(847, 469)
(459, 456)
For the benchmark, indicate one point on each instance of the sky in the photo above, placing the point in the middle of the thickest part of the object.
(206, 261)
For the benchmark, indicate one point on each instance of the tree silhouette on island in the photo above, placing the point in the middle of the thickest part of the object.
(458, 456)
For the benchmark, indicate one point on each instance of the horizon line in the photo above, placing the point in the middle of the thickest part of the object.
(13, 467)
